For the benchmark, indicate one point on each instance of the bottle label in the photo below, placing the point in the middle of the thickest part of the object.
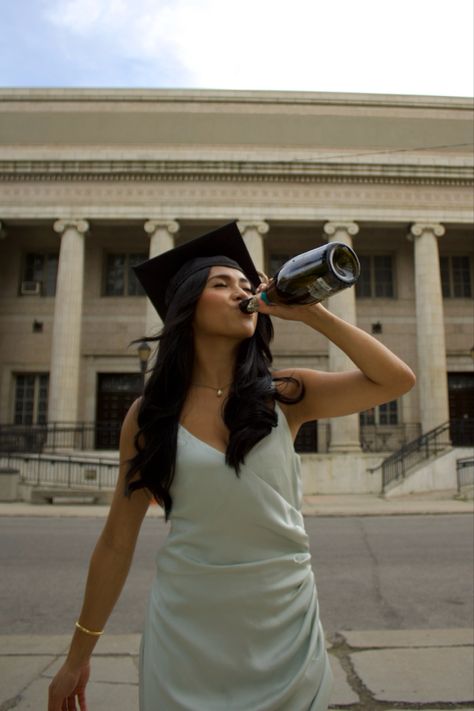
(320, 289)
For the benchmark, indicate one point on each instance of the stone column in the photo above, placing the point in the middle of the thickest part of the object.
(345, 431)
(63, 399)
(161, 240)
(432, 378)
(253, 233)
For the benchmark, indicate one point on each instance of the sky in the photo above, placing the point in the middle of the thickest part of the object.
(423, 47)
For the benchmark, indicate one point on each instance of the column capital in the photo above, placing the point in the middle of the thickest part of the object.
(152, 226)
(419, 228)
(81, 226)
(351, 228)
(259, 226)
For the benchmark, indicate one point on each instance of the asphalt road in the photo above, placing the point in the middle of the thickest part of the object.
(398, 572)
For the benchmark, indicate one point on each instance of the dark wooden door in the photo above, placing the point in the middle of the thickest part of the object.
(461, 408)
(307, 437)
(115, 394)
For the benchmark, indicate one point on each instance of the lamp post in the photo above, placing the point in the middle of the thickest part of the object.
(143, 355)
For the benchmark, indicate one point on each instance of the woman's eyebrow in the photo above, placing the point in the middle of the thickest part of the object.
(228, 276)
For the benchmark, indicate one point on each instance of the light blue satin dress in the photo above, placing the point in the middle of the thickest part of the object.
(233, 620)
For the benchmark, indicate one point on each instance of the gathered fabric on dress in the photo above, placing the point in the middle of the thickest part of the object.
(232, 622)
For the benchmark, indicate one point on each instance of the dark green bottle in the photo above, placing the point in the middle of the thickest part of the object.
(310, 277)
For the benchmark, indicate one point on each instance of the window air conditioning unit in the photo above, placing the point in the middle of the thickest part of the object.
(31, 287)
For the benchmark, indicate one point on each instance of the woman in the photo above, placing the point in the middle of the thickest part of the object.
(233, 619)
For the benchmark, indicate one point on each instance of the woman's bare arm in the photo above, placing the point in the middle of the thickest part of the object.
(113, 553)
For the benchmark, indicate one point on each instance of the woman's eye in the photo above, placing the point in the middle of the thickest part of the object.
(245, 288)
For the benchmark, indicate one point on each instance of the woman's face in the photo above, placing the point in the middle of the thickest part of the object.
(217, 311)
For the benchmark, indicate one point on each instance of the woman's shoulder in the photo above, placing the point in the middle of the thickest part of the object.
(130, 424)
(133, 410)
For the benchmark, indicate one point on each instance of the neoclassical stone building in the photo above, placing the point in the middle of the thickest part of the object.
(93, 181)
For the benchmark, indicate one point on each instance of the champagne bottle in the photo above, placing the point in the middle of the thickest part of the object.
(310, 277)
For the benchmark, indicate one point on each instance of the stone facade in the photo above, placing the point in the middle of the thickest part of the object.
(89, 173)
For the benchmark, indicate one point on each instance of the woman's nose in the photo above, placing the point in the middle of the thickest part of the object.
(240, 293)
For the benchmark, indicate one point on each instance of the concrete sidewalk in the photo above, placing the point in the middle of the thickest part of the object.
(433, 502)
(436, 502)
(373, 670)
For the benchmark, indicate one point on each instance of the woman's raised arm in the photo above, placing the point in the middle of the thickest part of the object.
(380, 375)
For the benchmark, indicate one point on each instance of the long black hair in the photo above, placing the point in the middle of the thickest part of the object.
(249, 410)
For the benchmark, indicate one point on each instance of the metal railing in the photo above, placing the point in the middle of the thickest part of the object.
(430, 444)
(465, 473)
(457, 432)
(66, 472)
(404, 438)
(57, 435)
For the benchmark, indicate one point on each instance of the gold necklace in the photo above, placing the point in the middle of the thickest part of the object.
(218, 391)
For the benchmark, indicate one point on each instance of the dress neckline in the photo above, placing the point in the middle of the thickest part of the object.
(281, 414)
(201, 441)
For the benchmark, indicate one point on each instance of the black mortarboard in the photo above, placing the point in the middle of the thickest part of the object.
(162, 275)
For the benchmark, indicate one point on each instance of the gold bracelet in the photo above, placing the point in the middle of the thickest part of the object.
(84, 629)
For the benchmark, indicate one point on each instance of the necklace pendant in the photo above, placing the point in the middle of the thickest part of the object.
(219, 392)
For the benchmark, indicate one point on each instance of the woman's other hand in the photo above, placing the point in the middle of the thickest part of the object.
(67, 691)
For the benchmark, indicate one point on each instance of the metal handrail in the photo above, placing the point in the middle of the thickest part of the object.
(397, 465)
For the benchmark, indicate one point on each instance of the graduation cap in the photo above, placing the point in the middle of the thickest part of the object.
(161, 276)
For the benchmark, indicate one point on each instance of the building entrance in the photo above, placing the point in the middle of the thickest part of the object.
(115, 394)
(461, 408)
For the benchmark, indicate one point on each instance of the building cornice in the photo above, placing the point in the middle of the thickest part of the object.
(100, 95)
(239, 171)
(276, 213)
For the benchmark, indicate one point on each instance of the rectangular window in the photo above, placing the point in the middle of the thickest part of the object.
(386, 414)
(364, 284)
(376, 277)
(120, 279)
(456, 280)
(31, 399)
(42, 268)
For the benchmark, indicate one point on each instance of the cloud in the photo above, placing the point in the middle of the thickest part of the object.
(395, 46)
(116, 42)
(135, 29)
(327, 45)
(82, 17)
